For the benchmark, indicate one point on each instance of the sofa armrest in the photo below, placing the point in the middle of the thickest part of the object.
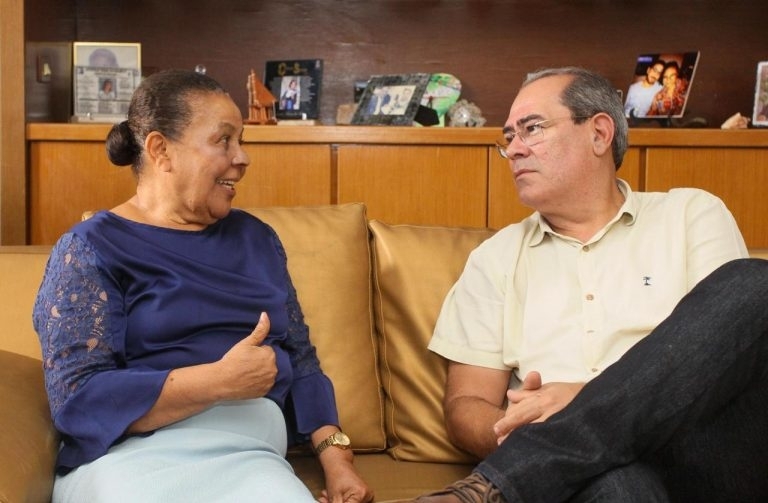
(28, 441)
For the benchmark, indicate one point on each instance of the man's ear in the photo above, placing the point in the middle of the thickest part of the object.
(602, 133)
(156, 147)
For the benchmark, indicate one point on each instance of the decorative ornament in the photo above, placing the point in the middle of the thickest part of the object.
(465, 114)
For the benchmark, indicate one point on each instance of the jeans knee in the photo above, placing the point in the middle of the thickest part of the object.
(636, 482)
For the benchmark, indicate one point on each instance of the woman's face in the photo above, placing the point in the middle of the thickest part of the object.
(670, 78)
(207, 160)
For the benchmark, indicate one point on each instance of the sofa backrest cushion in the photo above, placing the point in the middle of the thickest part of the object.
(28, 441)
(329, 262)
(415, 267)
(21, 271)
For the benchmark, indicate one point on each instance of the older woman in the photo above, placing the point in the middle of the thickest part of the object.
(174, 347)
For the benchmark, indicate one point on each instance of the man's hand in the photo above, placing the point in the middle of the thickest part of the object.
(534, 403)
(249, 368)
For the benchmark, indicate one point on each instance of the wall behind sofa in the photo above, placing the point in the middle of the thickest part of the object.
(488, 44)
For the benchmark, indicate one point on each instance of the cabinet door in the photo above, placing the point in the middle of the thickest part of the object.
(425, 185)
(286, 175)
(67, 178)
(738, 176)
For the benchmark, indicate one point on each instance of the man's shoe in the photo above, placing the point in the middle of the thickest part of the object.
(473, 489)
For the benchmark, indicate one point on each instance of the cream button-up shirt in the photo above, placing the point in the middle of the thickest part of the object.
(531, 299)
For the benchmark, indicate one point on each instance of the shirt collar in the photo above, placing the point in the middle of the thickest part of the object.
(627, 214)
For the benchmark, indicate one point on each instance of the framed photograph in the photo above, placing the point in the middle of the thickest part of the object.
(105, 74)
(660, 85)
(296, 85)
(760, 114)
(391, 99)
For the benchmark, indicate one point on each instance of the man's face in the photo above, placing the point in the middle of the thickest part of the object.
(551, 165)
(653, 73)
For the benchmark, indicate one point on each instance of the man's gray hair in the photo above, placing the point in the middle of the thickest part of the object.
(588, 94)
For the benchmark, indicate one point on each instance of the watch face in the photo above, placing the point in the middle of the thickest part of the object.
(341, 438)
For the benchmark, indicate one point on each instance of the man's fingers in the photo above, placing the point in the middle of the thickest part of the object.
(532, 380)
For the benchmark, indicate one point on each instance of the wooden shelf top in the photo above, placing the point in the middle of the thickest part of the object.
(396, 135)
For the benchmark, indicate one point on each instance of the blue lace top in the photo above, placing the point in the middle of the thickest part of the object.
(123, 303)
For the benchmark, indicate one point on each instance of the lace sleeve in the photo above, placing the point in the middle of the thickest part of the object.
(70, 319)
(302, 352)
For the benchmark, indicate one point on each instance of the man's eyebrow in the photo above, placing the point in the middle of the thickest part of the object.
(521, 121)
(528, 118)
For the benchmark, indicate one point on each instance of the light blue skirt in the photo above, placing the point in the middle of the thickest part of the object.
(233, 452)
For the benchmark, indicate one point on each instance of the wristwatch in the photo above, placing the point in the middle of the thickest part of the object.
(338, 439)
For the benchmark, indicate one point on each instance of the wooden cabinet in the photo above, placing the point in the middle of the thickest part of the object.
(431, 185)
(431, 176)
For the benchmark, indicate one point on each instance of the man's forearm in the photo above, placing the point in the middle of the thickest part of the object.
(470, 421)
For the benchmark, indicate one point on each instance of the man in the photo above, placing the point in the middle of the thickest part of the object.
(640, 94)
(640, 339)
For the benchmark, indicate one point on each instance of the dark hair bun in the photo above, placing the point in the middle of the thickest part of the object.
(122, 149)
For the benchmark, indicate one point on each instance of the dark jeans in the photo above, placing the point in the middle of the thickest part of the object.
(682, 416)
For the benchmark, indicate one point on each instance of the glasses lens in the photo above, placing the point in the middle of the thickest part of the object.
(501, 147)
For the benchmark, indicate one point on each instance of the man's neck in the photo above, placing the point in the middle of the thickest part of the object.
(583, 221)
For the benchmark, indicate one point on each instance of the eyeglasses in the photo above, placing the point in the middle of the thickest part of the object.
(531, 134)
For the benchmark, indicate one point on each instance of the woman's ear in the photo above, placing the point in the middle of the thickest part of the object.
(156, 147)
(602, 133)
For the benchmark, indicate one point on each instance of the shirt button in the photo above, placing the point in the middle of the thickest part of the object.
(589, 296)
(593, 369)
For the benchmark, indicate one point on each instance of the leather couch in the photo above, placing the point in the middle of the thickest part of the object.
(370, 292)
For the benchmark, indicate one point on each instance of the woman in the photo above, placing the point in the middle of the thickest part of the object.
(670, 99)
(159, 383)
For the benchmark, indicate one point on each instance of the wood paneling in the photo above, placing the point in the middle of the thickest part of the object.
(299, 175)
(738, 176)
(433, 176)
(489, 45)
(429, 185)
(13, 188)
(67, 178)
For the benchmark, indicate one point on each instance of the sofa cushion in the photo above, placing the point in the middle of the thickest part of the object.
(28, 441)
(21, 271)
(415, 268)
(329, 261)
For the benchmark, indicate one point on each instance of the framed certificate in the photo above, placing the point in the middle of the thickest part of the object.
(104, 74)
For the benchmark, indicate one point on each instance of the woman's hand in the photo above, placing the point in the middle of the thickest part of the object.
(342, 482)
(249, 368)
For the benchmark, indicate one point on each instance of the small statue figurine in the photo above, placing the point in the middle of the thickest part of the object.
(261, 102)
(465, 114)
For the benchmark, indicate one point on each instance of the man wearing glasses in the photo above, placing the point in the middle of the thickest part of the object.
(635, 327)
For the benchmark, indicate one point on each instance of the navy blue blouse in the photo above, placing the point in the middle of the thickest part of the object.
(123, 303)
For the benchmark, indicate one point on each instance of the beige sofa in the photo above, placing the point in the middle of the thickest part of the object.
(370, 292)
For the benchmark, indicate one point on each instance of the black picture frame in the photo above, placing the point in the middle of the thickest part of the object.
(684, 64)
(296, 85)
(391, 100)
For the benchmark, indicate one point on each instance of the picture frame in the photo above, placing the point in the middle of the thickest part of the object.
(296, 84)
(760, 112)
(105, 75)
(391, 99)
(648, 98)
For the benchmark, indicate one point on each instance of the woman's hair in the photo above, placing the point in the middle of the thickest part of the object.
(588, 94)
(162, 103)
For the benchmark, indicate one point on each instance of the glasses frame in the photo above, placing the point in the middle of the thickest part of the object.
(538, 130)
